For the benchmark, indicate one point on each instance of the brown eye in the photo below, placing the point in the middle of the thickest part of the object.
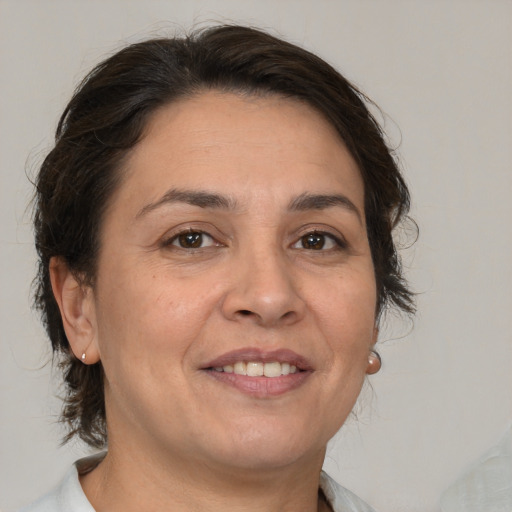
(192, 240)
(315, 241)
(318, 241)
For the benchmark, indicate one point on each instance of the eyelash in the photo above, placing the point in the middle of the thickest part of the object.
(338, 242)
(175, 239)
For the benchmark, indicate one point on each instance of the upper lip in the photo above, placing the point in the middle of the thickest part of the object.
(257, 355)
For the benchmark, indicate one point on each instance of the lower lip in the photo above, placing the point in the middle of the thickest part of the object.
(262, 387)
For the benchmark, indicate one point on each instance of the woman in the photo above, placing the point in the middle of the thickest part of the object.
(214, 231)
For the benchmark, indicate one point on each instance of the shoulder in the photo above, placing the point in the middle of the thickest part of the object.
(66, 497)
(341, 499)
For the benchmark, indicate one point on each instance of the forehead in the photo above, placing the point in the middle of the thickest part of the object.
(211, 118)
(223, 141)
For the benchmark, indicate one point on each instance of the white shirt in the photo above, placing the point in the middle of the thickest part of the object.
(68, 496)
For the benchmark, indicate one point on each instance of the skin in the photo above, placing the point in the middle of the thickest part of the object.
(180, 439)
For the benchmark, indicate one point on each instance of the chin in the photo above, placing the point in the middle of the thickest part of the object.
(262, 459)
(266, 449)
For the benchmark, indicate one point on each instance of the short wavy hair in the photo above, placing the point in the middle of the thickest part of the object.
(106, 117)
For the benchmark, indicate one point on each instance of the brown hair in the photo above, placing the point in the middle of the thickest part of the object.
(106, 117)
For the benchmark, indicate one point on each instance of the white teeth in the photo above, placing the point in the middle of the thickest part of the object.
(254, 369)
(258, 369)
(272, 369)
(240, 368)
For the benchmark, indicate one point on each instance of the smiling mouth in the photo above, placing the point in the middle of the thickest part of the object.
(271, 369)
(261, 374)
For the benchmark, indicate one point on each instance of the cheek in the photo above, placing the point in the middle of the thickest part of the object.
(347, 308)
(146, 325)
(150, 312)
(345, 315)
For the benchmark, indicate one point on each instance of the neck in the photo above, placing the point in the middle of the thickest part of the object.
(148, 481)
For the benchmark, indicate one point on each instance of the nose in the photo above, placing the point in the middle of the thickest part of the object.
(264, 291)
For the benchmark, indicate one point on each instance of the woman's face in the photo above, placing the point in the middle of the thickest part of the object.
(235, 243)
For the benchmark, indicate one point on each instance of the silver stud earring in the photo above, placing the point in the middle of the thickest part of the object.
(83, 357)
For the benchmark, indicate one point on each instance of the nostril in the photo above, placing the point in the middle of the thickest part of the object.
(245, 312)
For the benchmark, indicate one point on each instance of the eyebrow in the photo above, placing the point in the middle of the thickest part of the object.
(308, 201)
(204, 199)
(192, 197)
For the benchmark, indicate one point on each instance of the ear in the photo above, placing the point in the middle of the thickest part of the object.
(77, 309)
(375, 335)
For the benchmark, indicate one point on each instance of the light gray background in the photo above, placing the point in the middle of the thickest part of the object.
(441, 70)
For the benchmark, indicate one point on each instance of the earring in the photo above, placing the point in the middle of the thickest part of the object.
(83, 357)
(374, 362)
